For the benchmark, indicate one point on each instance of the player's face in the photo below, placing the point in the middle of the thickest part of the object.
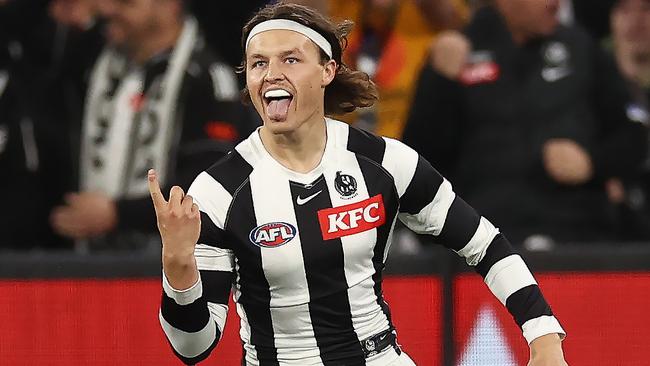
(286, 79)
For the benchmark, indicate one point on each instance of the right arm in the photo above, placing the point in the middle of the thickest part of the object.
(197, 273)
(429, 205)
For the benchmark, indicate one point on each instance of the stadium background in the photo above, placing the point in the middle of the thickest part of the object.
(67, 308)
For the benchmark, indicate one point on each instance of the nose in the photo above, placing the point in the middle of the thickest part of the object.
(274, 72)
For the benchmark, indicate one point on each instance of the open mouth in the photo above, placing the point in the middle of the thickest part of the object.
(277, 103)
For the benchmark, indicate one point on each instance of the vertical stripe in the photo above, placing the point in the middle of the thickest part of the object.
(329, 304)
(382, 184)
(283, 267)
(358, 249)
(249, 352)
(253, 288)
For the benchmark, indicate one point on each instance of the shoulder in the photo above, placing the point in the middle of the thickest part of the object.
(231, 171)
(366, 144)
(395, 158)
(214, 189)
(382, 150)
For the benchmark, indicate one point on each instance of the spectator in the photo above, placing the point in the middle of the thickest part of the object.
(390, 43)
(520, 106)
(158, 98)
(630, 26)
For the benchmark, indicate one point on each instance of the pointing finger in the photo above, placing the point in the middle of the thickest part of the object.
(154, 190)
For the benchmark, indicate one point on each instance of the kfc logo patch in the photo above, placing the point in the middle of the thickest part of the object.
(272, 235)
(351, 219)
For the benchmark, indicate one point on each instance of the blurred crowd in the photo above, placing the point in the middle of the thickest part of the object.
(537, 110)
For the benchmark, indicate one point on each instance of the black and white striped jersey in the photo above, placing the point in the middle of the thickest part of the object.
(304, 253)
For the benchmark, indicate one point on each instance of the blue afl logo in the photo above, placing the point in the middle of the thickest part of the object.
(272, 235)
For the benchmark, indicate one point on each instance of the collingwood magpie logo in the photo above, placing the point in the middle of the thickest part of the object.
(346, 185)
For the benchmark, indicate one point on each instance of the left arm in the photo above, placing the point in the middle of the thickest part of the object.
(428, 205)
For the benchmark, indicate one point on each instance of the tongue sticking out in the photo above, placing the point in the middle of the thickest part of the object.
(278, 109)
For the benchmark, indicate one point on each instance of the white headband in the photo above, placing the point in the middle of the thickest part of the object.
(287, 24)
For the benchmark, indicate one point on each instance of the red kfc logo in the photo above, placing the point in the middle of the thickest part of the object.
(351, 219)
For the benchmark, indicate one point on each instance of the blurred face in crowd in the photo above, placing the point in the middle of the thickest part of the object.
(286, 79)
(130, 22)
(630, 22)
(530, 18)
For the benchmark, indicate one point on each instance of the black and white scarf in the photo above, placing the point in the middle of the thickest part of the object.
(127, 129)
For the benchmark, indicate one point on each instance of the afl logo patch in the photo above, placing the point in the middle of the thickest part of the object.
(345, 184)
(272, 235)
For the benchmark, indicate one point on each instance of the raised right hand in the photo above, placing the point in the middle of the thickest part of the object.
(179, 223)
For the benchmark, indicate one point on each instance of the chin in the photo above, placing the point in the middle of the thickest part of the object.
(279, 127)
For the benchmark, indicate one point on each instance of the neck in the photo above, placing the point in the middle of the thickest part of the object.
(300, 150)
(162, 39)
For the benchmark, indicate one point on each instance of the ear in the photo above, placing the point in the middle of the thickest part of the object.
(329, 72)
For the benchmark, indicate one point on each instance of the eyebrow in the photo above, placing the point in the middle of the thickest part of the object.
(282, 54)
(288, 52)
